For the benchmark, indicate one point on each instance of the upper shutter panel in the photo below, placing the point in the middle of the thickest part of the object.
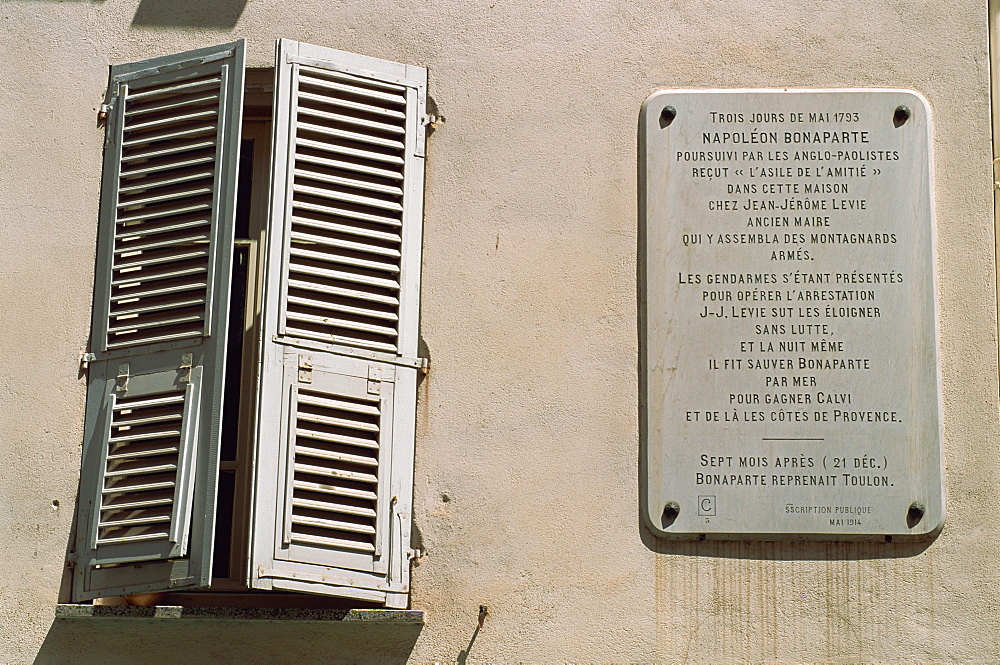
(150, 457)
(351, 199)
(163, 196)
(340, 327)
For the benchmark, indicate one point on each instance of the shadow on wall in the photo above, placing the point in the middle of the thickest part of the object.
(107, 641)
(220, 14)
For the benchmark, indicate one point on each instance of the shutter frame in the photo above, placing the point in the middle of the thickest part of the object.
(383, 575)
(169, 444)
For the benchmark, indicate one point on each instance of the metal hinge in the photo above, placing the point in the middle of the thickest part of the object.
(374, 379)
(305, 369)
(187, 362)
(121, 381)
(102, 113)
(86, 359)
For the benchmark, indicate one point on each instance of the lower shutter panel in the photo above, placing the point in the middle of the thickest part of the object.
(145, 497)
(334, 471)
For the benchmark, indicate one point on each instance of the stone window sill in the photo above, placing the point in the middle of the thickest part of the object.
(381, 616)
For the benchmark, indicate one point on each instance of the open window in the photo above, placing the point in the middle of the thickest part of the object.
(287, 238)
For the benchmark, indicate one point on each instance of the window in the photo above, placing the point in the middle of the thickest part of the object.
(296, 461)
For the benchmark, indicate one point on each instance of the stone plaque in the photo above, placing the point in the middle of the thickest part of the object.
(790, 363)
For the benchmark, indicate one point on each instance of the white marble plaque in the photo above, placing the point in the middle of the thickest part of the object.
(790, 363)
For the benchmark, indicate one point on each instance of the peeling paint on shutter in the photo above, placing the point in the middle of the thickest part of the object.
(161, 293)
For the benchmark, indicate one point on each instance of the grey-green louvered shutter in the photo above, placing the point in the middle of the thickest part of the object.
(338, 383)
(158, 338)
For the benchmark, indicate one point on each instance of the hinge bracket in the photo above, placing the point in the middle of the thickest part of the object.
(86, 359)
(187, 362)
(121, 381)
(305, 369)
(374, 379)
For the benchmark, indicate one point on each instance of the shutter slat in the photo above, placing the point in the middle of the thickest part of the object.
(169, 196)
(172, 120)
(333, 524)
(128, 239)
(347, 212)
(357, 199)
(340, 438)
(346, 293)
(341, 323)
(324, 506)
(159, 323)
(136, 404)
(339, 259)
(347, 229)
(199, 130)
(147, 309)
(393, 97)
(305, 486)
(145, 169)
(351, 79)
(346, 244)
(151, 293)
(191, 146)
(136, 504)
(389, 113)
(138, 521)
(337, 543)
(391, 190)
(146, 184)
(165, 450)
(126, 437)
(139, 487)
(212, 82)
(350, 120)
(333, 402)
(141, 471)
(184, 256)
(357, 278)
(339, 422)
(345, 165)
(349, 152)
(207, 98)
(136, 218)
(142, 277)
(313, 470)
(350, 136)
(307, 451)
(133, 539)
(358, 311)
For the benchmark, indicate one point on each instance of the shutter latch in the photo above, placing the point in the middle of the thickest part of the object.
(187, 362)
(121, 381)
(305, 369)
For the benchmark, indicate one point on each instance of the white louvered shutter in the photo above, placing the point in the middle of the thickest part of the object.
(338, 382)
(158, 337)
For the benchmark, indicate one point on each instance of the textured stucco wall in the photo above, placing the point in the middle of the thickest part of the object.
(528, 421)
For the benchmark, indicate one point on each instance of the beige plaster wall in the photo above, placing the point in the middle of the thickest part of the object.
(528, 421)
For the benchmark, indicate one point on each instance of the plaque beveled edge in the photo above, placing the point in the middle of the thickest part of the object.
(650, 109)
